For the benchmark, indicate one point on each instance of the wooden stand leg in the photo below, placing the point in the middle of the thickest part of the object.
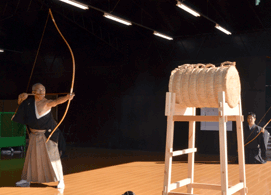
(223, 144)
(191, 156)
(170, 105)
(241, 154)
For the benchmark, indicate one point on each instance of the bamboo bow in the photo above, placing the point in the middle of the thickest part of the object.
(73, 75)
(258, 133)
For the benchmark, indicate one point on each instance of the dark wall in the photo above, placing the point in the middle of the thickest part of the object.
(120, 95)
(252, 71)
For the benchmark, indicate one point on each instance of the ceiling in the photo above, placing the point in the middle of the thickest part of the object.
(22, 23)
(241, 16)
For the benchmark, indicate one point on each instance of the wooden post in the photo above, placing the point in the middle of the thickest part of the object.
(240, 145)
(191, 156)
(170, 106)
(223, 144)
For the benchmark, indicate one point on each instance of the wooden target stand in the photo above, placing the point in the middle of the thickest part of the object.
(175, 112)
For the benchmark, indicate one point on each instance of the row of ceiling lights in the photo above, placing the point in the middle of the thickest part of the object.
(112, 17)
(196, 14)
(126, 22)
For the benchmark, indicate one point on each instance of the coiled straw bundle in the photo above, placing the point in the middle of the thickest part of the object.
(197, 85)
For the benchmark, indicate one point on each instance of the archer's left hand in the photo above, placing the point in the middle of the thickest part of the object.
(70, 96)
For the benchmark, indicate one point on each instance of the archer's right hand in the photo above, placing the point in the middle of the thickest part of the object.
(22, 97)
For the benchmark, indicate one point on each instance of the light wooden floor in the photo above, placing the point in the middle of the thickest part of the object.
(102, 172)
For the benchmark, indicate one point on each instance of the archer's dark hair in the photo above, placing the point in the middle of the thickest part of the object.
(251, 114)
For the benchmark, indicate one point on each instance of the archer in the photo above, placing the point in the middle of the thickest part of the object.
(42, 161)
(255, 150)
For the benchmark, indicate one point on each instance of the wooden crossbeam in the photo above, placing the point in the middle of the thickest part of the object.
(204, 118)
(206, 186)
(236, 188)
(179, 184)
(185, 151)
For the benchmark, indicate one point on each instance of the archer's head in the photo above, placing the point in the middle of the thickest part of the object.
(39, 90)
(251, 118)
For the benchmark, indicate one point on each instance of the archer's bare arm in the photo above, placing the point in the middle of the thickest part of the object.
(60, 100)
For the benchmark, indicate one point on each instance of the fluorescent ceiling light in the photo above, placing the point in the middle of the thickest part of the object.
(184, 7)
(222, 29)
(76, 4)
(115, 18)
(162, 35)
(1, 50)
